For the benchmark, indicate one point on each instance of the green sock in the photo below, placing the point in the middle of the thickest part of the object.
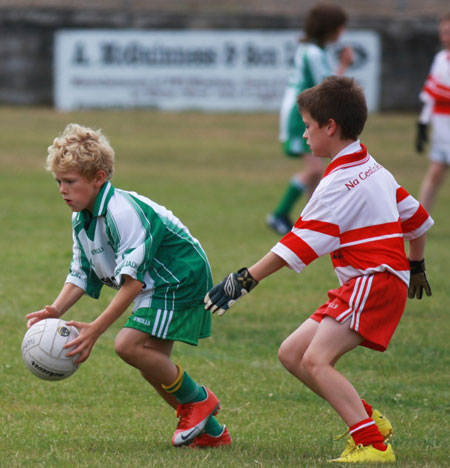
(186, 390)
(291, 195)
(189, 391)
(213, 427)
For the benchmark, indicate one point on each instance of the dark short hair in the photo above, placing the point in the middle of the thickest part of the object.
(323, 20)
(338, 98)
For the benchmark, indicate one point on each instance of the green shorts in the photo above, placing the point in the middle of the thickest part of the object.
(187, 325)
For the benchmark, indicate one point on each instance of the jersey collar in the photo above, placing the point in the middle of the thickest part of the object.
(103, 197)
(100, 206)
(344, 160)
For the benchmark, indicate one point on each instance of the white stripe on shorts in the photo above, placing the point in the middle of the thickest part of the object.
(349, 312)
(363, 303)
(161, 327)
(169, 320)
(363, 294)
(155, 325)
(357, 302)
(162, 323)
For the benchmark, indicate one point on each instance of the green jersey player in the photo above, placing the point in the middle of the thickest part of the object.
(324, 25)
(132, 244)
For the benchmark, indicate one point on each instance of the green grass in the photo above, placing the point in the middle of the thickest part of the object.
(220, 174)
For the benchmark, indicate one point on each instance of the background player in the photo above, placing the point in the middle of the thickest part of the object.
(132, 244)
(436, 110)
(360, 216)
(324, 25)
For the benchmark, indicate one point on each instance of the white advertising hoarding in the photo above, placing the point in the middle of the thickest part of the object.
(231, 70)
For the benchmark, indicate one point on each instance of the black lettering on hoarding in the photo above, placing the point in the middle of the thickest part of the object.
(134, 53)
(231, 54)
(260, 56)
(79, 55)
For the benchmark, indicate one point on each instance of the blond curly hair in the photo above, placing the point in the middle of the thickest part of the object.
(83, 150)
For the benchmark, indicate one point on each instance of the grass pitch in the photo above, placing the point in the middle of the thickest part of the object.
(221, 174)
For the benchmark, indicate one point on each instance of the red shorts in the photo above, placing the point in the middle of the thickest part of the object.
(372, 304)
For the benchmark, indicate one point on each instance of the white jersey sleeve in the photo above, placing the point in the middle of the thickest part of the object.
(77, 275)
(318, 63)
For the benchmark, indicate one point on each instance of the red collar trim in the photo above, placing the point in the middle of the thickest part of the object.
(348, 160)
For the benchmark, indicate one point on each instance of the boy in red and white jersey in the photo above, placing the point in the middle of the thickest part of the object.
(361, 216)
(436, 111)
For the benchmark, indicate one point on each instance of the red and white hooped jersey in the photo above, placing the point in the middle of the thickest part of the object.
(359, 215)
(437, 84)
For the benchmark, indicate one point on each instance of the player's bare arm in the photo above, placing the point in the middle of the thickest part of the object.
(89, 332)
(417, 248)
(268, 265)
(68, 296)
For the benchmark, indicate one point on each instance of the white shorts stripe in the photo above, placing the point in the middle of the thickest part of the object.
(350, 311)
(344, 316)
(155, 325)
(358, 299)
(169, 320)
(354, 293)
(363, 303)
(363, 293)
(163, 323)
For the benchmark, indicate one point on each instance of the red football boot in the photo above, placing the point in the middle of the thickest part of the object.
(193, 418)
(207, 440)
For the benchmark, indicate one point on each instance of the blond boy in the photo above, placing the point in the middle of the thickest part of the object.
(132, 244)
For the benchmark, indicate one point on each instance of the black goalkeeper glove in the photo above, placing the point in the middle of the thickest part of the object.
(421, 136)
(222, 296)
(418, 281)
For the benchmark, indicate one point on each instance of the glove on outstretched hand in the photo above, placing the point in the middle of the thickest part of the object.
(418, 281)
(222, 296)
(421, 136)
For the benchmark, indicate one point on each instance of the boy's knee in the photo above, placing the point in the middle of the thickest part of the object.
(287, 356)
(122, 348)
(310, 363)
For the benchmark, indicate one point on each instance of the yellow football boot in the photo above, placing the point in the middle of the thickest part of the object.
(367, 454)
(384, 426)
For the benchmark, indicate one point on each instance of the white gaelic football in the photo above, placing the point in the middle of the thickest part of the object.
(43, 352)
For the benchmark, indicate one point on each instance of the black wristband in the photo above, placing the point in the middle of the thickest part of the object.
(417, 266)
(246, 279)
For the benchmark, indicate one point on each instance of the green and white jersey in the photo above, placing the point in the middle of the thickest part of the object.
(130, 234)
(311, 67)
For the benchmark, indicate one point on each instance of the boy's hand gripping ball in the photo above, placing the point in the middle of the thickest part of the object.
(222, 296)
(43, 349)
